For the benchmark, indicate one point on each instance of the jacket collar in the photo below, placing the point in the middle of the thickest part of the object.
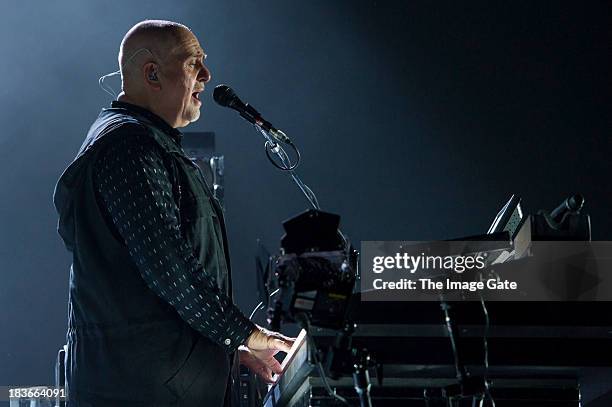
(152, 117)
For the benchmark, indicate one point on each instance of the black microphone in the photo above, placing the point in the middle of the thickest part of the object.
(225, 96)
(573, 204)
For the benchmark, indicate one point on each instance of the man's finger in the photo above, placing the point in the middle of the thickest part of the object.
(266, 374)
(283, 346)
(285, 337)
(275, 366)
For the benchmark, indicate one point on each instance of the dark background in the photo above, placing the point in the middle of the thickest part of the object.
(416, 121)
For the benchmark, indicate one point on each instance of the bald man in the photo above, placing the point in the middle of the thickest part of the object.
(151, 316)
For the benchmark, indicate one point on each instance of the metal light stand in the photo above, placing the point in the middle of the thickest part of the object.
(467, 386)
(361, 377)
(217, 166)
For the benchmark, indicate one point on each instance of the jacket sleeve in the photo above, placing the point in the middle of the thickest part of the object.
(134, 186)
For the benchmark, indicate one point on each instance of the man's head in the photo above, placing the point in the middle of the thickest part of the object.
(162, 69)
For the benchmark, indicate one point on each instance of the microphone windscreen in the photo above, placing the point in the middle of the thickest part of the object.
(224, 95)
(575, 202)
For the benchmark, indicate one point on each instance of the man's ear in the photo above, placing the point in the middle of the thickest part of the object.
(151, 72)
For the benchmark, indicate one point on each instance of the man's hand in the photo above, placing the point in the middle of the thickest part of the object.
(263, 368)
(261, 346)
(264, 339)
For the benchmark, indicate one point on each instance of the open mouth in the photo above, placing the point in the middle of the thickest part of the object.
(196, 96)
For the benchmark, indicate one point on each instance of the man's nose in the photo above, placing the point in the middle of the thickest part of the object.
(204, 75)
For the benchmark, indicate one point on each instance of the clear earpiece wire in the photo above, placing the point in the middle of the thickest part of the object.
(107, 88)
